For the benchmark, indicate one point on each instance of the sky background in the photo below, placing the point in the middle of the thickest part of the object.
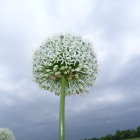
(113, 26)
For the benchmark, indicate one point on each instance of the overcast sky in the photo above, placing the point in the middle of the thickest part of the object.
(113, 26)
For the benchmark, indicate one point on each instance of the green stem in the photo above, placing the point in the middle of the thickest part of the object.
(62, 110)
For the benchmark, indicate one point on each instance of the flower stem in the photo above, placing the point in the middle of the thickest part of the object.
(62, 110)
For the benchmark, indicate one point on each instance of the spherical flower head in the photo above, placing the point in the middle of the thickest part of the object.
(6, 134)
(65, 55)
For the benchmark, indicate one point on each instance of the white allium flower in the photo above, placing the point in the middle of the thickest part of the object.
(65, 55)
(6, 134)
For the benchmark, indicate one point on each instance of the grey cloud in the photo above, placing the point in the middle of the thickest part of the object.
(128, 78)
(32, 113)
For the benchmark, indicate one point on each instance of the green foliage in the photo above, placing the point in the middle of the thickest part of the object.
(121, 134)
(133, 139)
(138, 131)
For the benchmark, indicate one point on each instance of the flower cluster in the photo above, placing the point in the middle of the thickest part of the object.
(65, 55)
(6, 134)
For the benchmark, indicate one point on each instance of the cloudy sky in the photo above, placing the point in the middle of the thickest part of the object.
(113, 26)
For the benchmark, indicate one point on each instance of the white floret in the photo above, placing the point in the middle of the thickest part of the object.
(65, 55)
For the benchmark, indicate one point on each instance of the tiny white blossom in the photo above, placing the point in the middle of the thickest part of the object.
(6, 134)
(65, 55)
